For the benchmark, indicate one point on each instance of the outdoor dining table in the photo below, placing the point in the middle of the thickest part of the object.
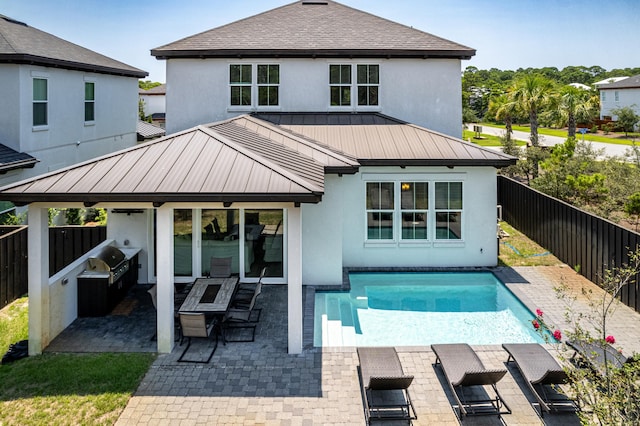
(211, 296)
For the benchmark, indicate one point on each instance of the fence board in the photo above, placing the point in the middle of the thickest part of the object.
(574, 236)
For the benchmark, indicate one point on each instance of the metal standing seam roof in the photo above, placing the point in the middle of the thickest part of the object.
(197, 165)
(315, 29)
(11, 159)
(22, 44)
(391, 143)
(148, 130)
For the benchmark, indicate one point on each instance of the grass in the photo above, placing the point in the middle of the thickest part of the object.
(64, 389)
(485, 140)
(615, 138)
(528, 252)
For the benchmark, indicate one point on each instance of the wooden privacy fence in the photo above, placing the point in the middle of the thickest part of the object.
(574, 236)
(66, 243)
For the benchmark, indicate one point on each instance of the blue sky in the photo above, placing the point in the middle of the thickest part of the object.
(507, 34)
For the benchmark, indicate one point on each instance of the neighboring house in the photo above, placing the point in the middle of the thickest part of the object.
(61, 103)
(154, 103)
(622, 93)
(147, 131)
(302, 186)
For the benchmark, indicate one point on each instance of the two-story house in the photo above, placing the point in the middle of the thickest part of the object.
(291, 144)
(61, 103)
(154, 103)
(625, 92)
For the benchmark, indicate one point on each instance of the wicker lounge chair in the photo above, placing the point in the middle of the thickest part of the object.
(540, 369)
(593, 354)
(462, 369)
(385, 387)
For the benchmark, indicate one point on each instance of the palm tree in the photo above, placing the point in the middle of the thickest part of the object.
(577, 104)
(502, 109)
(531, 93)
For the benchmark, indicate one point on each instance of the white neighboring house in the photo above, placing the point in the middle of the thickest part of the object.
(154, 103)
(61, 103)
(285, 153)
(619, 93)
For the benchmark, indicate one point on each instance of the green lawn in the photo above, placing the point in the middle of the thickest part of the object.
(614, 138)
(64, 389)
(485, 140)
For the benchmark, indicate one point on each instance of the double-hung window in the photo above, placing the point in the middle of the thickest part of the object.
(368, 82)
(268, 85)
(448, 207)
(380, 210)
(414, 206)
(616, 96)
(89, 101)
(340, 85)
(40, 102)
(240, 79)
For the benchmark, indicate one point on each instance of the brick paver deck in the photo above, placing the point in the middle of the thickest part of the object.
(259, 383)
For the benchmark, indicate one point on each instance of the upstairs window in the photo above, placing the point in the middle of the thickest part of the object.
(603, 96)
(40, 102)
(268, 85)
(448, 205)
(616, 96)
(240, 82)
(340, 85)
(368, 82)
(89, 101)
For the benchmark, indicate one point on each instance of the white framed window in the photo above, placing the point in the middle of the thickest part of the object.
(340, 84)
(254, 86)
(89, 101)
(616, 96)
(448, 210)
(40, 102)
(368, 81)
(268, 84)
(380, 208)
(603, 96)
(413, 211)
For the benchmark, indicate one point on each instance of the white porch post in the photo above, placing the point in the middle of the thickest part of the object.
(294, 279)
(38, 265)
(164, 268)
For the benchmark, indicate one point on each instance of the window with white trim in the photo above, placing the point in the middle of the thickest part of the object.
(240, 79)
(603, 96)
(268, 84)
(380, 210)
(89, 101)
(448, 210)
(616, 96)
(340, 85)
(40, 102)
(368, 81)
(414, 206)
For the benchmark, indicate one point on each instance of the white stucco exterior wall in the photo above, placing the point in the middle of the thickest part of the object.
(425, 92)
(626, 98)
(67, 139)
(322, 265)
(154, 104)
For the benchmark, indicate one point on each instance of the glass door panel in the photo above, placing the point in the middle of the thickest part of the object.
(220, 237)
(182, 242)
(264, 244)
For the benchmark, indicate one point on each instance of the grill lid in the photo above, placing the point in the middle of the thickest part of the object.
(106, 260)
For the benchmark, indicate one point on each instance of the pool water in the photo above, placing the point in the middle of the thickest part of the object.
(422, 308)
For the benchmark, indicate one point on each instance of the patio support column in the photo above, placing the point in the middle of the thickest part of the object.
(294, 279)
(164, 268)
(38, 265)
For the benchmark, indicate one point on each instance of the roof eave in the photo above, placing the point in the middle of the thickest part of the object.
(25, 164)
(498, 163)
(341, 170)
(312, 53)
(19, 58)
(23, 199)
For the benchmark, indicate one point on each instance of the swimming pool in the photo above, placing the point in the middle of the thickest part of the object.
(421, 308)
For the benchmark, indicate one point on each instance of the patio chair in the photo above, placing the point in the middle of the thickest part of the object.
(245, 291)
(241, 317)
(596, 356)
(463, 369)
(194, 325)
(385, 387)
(220, 267)
(178, 299)
(540, 369)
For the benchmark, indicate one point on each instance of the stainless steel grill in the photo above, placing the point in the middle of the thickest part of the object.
(111, 261)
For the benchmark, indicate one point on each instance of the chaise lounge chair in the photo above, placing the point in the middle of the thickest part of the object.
(462, 369)
(540, 369)
(385, 387)
(597, 356)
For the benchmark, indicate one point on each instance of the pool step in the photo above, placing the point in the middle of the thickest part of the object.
(338, 323)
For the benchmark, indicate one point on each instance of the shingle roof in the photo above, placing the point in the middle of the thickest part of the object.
(317, 29)
(374, 139)
(628, 83)
(22, 44)
(11, 159)
(157, 90)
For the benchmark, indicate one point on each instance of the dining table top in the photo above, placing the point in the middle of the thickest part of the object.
(225, 290)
